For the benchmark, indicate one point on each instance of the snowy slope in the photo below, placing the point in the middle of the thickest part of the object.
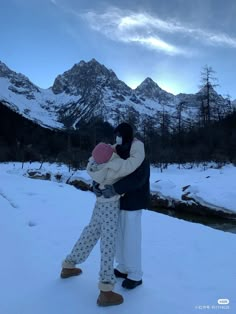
(187, 267)
(31, 108)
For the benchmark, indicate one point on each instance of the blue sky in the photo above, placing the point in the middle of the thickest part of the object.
(169, 41)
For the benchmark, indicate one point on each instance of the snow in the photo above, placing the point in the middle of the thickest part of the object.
(208, 185)
(29, 108)
(212, 187)
(187, 267)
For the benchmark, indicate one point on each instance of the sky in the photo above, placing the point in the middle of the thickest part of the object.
(169, 41)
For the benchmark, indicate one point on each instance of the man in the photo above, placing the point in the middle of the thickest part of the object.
(134, 190)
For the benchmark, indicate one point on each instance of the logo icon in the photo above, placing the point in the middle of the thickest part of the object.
(223, 301)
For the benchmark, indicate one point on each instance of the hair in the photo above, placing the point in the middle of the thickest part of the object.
(124, 130)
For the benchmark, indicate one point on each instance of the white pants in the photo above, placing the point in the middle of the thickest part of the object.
(128, 246)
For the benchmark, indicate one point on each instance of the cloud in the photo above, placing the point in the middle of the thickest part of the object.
(151, 31)
(53, 2)
(220, 39)
(132, 28)
(156, 43)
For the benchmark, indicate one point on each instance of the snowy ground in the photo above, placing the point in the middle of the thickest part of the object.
(212, 187)
(187, 267)
(208, 185)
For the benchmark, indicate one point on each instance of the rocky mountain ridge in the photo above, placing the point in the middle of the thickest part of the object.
(90, 90)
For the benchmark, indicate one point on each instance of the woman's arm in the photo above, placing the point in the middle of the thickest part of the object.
(123, 167)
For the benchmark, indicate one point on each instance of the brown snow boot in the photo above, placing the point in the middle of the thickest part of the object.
(108, 298)
(69, 272)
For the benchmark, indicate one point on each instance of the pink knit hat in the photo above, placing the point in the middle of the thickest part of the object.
(102, 153)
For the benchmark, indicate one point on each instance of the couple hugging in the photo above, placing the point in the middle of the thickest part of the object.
(120, 176)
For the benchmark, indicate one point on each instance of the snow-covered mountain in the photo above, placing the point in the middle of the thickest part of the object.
(89, 90)
(32, 102)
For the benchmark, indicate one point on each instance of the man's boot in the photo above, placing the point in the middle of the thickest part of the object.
(131, 284)
(69, 272)
(118, 274)
(108, 298)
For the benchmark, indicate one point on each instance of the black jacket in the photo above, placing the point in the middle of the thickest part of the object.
(136, 187)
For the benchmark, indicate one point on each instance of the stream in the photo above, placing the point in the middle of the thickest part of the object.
(210, 220)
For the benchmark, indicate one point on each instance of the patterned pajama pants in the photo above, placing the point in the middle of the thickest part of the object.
(103, 225)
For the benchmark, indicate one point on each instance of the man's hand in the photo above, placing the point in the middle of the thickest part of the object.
(109, 191)
(96, 189)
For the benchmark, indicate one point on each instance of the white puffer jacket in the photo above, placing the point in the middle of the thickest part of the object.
(116, 168)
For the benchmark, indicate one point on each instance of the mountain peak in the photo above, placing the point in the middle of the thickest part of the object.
(150, 89)
(92, 62)
(19, 83)
(4, 70)
(7, 72)
(2, 64)
(148, 82)
(85, 76)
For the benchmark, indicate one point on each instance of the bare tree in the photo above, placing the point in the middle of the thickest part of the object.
(179, 109)
(208, 83)
(132, 117)
(164, 121)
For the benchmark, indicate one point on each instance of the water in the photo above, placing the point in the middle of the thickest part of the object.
(213, 221)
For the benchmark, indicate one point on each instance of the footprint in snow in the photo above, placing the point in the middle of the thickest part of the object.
(32, 223)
